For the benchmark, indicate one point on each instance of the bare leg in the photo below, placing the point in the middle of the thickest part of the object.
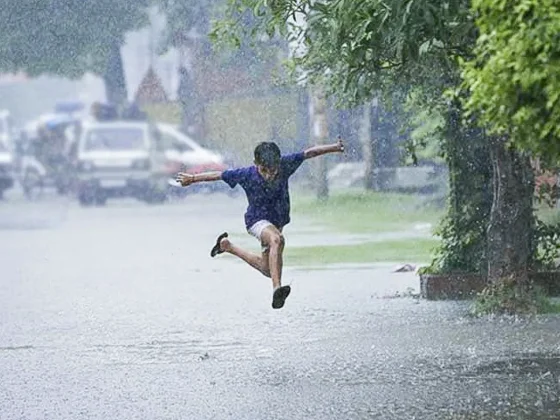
(269, 264)
(274, 239)
(254, 260)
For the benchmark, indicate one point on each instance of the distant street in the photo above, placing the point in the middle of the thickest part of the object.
(119, 312)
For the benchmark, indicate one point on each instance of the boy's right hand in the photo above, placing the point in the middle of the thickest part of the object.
(184, 179)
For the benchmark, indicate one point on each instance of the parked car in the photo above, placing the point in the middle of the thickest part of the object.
(186, 155)
(181, 148)
(121, 159)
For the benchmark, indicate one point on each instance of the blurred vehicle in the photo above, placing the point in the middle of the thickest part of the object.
(7, 127)
(46, 154)
(186, 155)
(181, 148)
(121, 159)
(74, 108)
(7, 176)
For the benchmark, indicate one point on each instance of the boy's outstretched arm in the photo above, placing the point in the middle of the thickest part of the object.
(186, 179)
(315, 151)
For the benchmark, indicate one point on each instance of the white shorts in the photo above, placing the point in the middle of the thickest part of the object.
(257, 229)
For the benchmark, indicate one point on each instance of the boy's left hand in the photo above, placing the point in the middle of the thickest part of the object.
(339, 145)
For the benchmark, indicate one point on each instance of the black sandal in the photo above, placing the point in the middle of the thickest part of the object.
(217, 250)
(279, 296)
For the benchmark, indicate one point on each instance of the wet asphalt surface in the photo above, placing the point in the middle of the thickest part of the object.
(120, 313)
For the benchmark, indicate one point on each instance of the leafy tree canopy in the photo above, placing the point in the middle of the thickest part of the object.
(514, 80)
(355, 46)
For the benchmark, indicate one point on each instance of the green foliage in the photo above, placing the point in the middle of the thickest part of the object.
(425, 124)
(512, 297)
(546, 245)
(462, 245)
(514, 80)
(64, 37)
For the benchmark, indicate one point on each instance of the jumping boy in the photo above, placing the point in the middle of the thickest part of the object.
(266, 186)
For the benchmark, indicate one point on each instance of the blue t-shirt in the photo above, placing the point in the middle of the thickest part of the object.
(267, 200)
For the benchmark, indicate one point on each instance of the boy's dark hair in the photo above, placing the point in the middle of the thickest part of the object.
(267, 154)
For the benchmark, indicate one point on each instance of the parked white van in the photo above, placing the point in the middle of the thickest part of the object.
(121, 159)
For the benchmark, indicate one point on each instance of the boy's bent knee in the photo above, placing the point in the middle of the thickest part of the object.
(277, 241)
(273, 238)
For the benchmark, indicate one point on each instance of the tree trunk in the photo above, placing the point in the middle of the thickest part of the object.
(115, 84)
(303, 135)
(319, 135)
(511, 217)
(369, 139)
(386, 147)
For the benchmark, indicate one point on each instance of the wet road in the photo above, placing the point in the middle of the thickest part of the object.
(119, 313)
